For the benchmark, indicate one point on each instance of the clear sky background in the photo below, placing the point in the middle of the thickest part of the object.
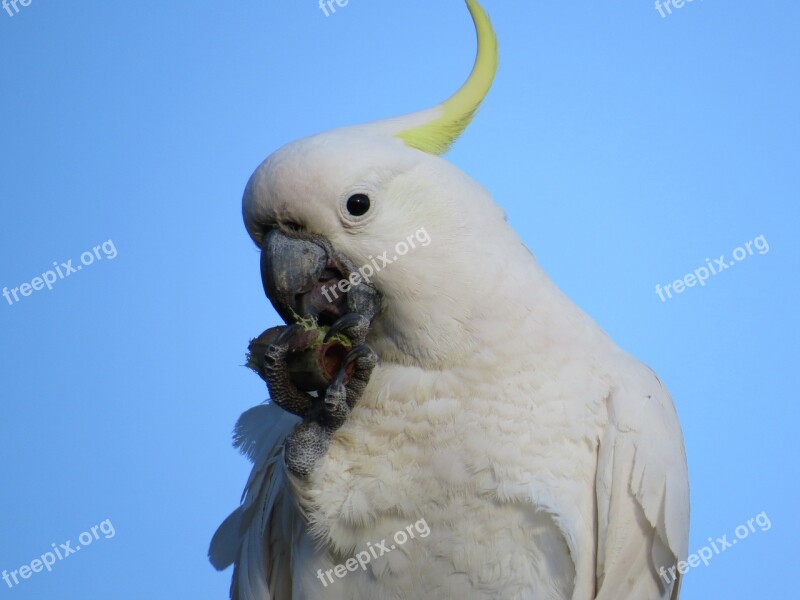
(625, 147)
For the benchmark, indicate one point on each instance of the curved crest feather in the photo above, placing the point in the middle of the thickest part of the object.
(453, 116)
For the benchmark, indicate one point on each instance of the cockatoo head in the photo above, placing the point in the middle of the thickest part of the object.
(347, 201)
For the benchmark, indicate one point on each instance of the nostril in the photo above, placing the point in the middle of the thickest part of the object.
(329, 275)
(292, 226)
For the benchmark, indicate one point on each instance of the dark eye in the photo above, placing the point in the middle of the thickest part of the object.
(358, 205)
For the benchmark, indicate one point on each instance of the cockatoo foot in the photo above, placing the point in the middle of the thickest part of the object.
(309, 441)
(324, 414)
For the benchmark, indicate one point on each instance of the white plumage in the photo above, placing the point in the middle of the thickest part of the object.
(547, 463)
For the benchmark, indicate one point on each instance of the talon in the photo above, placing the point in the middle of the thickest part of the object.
(286, 335)
(362, 351)
(339, 380)
(352, 325)
(345, 372)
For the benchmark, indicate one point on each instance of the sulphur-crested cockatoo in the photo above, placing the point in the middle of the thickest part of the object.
(483, 437)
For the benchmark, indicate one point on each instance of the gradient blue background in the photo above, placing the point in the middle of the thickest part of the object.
(625, 147)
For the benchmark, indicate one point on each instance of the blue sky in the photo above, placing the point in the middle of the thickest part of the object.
(626, 148)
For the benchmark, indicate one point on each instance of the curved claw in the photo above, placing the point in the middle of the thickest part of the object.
(362, 351)
(350, 321)
(286, 335)
(282, 344)
(357, 353)
(338, 381)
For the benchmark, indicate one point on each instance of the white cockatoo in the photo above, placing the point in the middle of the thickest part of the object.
(483, 437)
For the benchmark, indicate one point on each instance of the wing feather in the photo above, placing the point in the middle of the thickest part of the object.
(258, 537)
(642, 494)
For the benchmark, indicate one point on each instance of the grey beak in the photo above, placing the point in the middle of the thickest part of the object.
(300, 273)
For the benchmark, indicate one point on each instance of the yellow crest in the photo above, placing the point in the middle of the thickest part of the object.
(452, 117)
